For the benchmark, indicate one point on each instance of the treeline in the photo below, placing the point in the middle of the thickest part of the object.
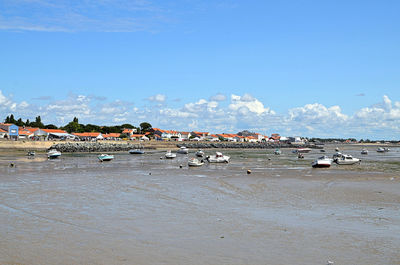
(76, 127)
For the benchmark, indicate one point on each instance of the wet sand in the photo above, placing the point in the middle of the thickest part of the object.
(146, 210)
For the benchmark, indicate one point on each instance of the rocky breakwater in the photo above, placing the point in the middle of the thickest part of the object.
(94, 147)
(222, 145)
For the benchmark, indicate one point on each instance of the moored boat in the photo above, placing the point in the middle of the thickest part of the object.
(136, 151)
(218, 158)
(170, 155)
(183, 150)
(53, 153)
(105, 157)
(322, 161)
(277, 151)
(346, 160)
(382, 149)
(194, 162)
(302, 150)
(364, 151)
(31, 153)
(200, 153)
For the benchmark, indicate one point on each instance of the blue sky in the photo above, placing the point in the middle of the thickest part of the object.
(311, 68)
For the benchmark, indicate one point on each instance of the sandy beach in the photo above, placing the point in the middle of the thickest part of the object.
(147, 210)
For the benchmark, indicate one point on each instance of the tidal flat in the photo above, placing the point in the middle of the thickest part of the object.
(140, 209)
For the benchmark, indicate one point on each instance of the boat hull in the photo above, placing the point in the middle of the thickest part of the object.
(136, 152)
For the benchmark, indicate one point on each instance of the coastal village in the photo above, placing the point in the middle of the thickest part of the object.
(13, 132)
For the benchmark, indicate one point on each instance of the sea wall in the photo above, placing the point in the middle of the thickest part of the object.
(222, 145)
(71, 147)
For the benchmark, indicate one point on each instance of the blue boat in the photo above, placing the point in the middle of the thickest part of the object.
(136, 151)
(105, 157)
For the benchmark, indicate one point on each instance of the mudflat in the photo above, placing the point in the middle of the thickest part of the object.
(140, 209)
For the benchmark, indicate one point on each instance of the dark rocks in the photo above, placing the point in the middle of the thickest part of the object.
(94, 147)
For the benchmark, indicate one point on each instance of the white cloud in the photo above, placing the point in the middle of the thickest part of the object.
(218, 97)
(158, 98)
(247, 103)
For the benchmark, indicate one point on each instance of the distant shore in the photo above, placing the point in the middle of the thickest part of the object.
(74, 146)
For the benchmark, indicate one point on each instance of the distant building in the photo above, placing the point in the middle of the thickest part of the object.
(3, 133)
(11, 129)
(89, 136)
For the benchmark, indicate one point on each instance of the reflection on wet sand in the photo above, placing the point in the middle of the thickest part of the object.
(143, 210)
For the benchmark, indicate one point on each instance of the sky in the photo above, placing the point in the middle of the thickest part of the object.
(294, 67)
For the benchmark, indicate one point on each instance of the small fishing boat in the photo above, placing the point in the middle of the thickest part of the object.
(136, 151)
(300, 156)
(53, 153)
(347, 160)
(337, 149)
(199, 153)
(170, 155)
(382, 149)
(194, 162)
(218, 158)
(302, 150)
(364, 151)
(337, 155)
(183, 150)
(322, 161)
(277, 151)
(31, 153)
(105, 157)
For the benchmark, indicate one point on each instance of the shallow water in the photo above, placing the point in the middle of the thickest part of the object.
(140, 209)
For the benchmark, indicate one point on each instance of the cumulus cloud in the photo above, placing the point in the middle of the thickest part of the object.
(246, 103)
(158, 98)
(218, 97)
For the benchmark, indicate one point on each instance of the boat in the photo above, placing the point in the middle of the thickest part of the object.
(302, 150)
(170, 155)
(337, 155)
(382, 150)
(277, 151)
(183, 150)
(346, 160)
(218, 158)
(337, 149)
(300, 155)
(105, 157)
(322, 150)
(199, 153)
(53, 153)
(31, 153)
(322, 161)
(136, 151)
(364, 151)
(194, 162)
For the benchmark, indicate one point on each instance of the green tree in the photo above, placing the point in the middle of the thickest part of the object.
(50, 126)
(38, 123)
(145, 127)
(75, 120)
(127, 126)
(27, 123)
(20, 122)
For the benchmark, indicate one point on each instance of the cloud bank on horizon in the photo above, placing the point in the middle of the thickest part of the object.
(245, 112)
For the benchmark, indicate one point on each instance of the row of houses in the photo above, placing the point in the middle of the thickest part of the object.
(14, 132)
(160, 134)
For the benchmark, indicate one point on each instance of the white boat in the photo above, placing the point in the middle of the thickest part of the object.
(302, 150)
(347, 160)
(323, 161)
(337, 155)
(364, 151)
(170, 155)
(277, 151)
(31, 153)
(337, 149)
(382, 150)
(218, 158)
(136, 151)
(53, 153)
(199, 153)
(105, 157)
(183, 150)
(194, 162)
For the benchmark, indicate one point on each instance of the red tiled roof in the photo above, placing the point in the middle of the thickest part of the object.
(1, 130)
(54, 131)
(137, 135)
(115, 135)
(87, 134)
